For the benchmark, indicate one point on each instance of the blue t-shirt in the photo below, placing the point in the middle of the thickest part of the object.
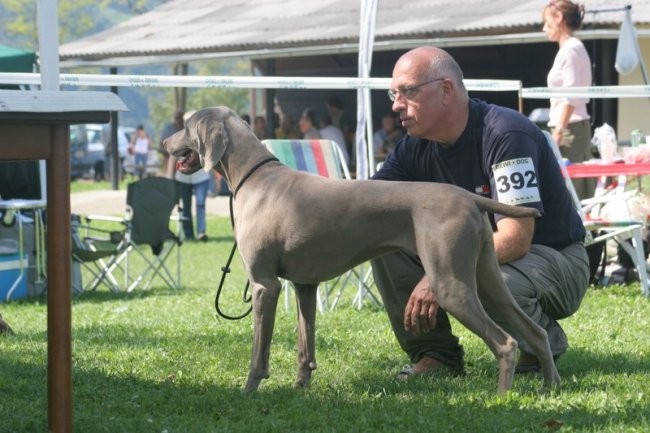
(502, 142)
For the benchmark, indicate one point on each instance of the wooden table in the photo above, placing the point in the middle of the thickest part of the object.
(36, 125)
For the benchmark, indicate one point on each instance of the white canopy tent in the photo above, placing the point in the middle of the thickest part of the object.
(364, 151)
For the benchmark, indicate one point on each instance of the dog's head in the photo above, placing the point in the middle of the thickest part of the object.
(204, 139)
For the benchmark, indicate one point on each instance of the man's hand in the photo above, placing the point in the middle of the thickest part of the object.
(421, 310)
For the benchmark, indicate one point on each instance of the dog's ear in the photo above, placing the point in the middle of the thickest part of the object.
(212, 140)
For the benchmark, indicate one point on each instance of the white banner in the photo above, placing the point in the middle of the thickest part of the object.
(238, 82)
(636, 91)
(587, 92)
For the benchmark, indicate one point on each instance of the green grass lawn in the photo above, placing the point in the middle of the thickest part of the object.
(162, 361)
(84, 185)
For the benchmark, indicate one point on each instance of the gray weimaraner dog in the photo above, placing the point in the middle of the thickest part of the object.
(309, 229)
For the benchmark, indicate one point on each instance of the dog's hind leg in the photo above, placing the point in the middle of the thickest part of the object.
(460, 299)
(452, 276)
(265, 302)
(306, 302)
(499, 302)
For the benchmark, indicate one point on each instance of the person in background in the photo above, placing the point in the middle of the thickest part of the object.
(140, 144)
(246, 118)
(386, 137)
(330, 132)
(169, 129)
(485, 149)
(197, 184)
(287, 128)
(342, 120)
(307, 125)
(260, 127)
(568, 117)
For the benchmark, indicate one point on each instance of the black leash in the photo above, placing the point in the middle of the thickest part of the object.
(225, 270)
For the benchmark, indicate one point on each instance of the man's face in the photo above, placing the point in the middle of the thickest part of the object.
(418, 101)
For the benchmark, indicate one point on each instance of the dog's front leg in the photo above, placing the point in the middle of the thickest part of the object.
(265, 302)
(306, 301)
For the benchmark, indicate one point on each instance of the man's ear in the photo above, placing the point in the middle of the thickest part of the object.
(212, 140)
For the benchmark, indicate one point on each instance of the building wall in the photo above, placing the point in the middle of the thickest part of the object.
(634, 113)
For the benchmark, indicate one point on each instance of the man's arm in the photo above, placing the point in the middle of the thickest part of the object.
(513, 238)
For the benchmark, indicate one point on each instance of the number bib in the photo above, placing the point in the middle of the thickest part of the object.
(516, 181)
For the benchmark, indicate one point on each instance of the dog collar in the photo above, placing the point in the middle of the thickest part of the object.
(252, 170)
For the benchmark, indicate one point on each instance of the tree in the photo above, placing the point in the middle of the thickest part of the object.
(162, 109)
(150, 106)
(77, 18)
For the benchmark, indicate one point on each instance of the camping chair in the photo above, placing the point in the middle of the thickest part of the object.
(92, 249)
(620, 230)
(325, 158)
(146, 243)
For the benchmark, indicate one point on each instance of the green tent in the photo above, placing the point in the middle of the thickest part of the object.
(16, 60)
(18, 179)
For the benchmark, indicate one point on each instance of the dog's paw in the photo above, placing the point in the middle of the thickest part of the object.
(301, 383)
(253, 383)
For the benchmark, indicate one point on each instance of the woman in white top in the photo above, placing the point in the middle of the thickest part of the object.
(569, 120)
(140, 144)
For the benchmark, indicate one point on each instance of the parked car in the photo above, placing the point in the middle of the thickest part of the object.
(88, 148)
(78, 151)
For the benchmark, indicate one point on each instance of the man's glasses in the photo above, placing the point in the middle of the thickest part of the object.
(409, 92)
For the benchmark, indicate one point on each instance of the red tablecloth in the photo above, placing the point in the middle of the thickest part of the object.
(615, 169)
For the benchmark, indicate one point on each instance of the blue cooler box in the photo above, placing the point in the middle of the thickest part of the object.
(9, 274)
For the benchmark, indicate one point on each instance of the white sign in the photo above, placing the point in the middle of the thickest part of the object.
(516, 181)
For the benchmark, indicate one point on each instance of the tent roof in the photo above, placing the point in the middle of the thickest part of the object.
(189, 29)
(16, 60)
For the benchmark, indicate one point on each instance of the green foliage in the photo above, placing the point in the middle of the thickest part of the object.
(19, 23)
(236, 99)
(162, 108)
(77, 18)
(161, 360)
(153, 107)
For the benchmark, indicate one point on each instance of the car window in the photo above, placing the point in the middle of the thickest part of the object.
(94, 136)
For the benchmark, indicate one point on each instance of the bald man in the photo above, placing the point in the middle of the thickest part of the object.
(495, 152)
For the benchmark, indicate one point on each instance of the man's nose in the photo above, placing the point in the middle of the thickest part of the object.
(398, 104)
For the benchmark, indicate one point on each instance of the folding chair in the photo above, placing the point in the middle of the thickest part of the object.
(92, 249)
(325, 158)
(146, 243)
(620, 230)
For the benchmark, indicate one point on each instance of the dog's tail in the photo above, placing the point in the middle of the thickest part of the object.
(493, 206)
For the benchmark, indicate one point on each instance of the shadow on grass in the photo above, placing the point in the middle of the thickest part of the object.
(99, 296)
(105, 402)
(230, 238)
(580, 362)
(187, 377)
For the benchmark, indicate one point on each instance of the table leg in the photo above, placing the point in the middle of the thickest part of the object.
(59, 298)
